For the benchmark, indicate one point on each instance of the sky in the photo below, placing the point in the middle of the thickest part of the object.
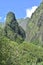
(21, 8)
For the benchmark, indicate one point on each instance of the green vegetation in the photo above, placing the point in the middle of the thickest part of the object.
(12, 29)
(11, 53)
(35, 26)
(18, 47)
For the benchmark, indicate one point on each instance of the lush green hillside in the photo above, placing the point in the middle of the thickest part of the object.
(14, 49)
(35, 26)
(12, 53)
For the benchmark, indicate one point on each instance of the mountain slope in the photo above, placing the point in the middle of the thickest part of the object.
(35, 26)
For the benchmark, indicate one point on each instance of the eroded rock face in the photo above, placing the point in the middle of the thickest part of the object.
(12, 28)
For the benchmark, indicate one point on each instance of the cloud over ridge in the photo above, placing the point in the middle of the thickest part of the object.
(30, 11)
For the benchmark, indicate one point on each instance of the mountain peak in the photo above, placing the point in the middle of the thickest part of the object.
(12, 29)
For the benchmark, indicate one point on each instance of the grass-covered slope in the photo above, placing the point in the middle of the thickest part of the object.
(35, 26)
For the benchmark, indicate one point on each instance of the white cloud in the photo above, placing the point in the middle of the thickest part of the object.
(30, 11)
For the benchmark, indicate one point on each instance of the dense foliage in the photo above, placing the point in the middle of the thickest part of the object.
(24, 54)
